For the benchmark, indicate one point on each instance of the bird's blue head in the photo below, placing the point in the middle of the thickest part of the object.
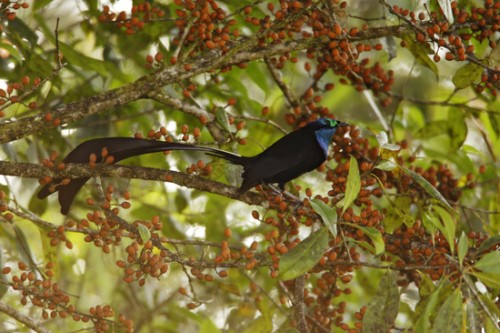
(324, 130)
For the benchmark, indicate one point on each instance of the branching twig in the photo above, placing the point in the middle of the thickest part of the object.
(22, 318)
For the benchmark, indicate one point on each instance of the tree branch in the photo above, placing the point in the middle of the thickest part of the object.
(245, 51)
(22, 318)
(30, 170)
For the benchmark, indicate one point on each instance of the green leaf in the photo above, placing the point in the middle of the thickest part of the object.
(489, 263)
(386, 165)
(374, 235)
(328, 215)
(264, 322)
(423, 324)
(76, 58)
(144, 232)
(432, 129)
(489, 279)
(448, 226)
(383, 308)
(431, 190)
(208, 326)
(421, 53)
(304, 256)
(463, 247)
(398, 212)
(222, 118)
(457, 128)
(353, 185)
(492, 241)
(450, 315)
(466, 75)
(12, 51)
(38, 4)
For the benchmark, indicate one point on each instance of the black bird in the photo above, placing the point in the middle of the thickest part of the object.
(296, 153)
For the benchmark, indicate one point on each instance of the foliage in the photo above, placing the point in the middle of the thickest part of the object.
(396, 234)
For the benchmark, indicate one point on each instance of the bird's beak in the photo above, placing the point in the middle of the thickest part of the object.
(340, 123)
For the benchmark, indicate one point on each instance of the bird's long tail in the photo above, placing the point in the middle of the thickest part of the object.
(119, 148)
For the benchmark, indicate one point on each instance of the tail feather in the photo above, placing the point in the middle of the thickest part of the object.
(120, 148)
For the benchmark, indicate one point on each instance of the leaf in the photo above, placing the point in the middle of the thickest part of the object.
(386, 165)
(489, 279)
(457, 128)
(264, 322)
(76, 58)
(466, 75)
(328, 215)
(420, 52)
(207, 326)
(144, 232)
(448, 226)
(383, 141)
(374, 235)
(398, 213)
(489, 263)
(431, 190)
(492, 241)
(423, 324)
(38, 4)
(450, 316)
(445, 6)
(383, 308)
(463, 247)
(432, 129)
(12, 51)
(353, 185)
(222, 119)
(304, 256)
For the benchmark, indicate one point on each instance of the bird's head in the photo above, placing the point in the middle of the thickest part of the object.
(329, 123)
(324, 130)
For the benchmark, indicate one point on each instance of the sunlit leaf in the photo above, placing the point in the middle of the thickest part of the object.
(383, 141)
(489, 263)
(489, 279)
(463, 247)
(208, 326)
(374, 235)
(398, 212)
(144, 232)
(353, 185)
(445, 6)
(222, 118)
(304, 256)
(11, 51)
(466, 75)
(432, 129)
(447, 227)
(421, 53)
(328, 215)
(386, 165)
(383, 308)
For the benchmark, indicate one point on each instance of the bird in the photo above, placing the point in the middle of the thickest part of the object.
(294, 154)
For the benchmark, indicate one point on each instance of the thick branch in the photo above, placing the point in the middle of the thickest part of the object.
(246, 51)
(26, 320)
(29, 170)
